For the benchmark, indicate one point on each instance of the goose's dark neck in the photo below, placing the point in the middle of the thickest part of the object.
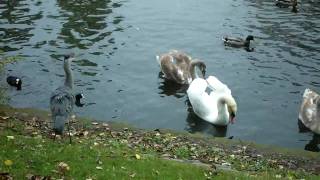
(69, 76)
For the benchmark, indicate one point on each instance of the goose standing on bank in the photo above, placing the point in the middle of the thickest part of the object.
(309, 113)
(218, 106)
(179, 67)
(62, 100)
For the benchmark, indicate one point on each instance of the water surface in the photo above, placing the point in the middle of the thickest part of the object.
(116, 43)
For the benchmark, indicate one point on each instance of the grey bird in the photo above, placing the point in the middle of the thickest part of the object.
(62, 100)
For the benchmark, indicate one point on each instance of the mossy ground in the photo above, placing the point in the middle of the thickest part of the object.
(113, 151)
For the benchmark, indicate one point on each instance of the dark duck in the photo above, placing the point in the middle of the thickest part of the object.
(238, 42)
(78, 97)
(287, 4)
(14, 81)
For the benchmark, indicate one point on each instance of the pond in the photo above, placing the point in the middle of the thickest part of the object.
(116, 42)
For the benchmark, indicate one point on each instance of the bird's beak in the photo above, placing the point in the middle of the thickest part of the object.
(232, 118)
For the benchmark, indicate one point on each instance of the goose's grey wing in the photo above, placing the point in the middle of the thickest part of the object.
(61, 105)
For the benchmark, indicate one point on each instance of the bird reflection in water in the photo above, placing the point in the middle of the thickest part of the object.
(314, 142)
(171, 88)
(196, 124)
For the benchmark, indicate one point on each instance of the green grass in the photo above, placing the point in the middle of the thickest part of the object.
(38, 156)
(111, 153)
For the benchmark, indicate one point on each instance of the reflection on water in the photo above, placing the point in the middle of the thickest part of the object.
(171, 88)
(86, 22)
(19, 13)
(195, 124)
(312, 145)
(116, 42)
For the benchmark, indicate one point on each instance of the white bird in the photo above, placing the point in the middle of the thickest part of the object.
(218, 106)
(179, 67)
(310, 110)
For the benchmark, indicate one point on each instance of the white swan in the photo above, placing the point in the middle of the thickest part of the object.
(310, 110)
(179, 67)
(218, 106)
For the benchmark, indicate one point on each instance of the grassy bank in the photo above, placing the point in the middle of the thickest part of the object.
(113, 151)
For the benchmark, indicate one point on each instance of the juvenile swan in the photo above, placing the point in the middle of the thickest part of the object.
(218, 106)
(179, 67)
(310, 111)
(62, 100)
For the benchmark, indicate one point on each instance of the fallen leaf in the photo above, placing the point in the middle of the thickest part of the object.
(10, 137)
(132, 175)
(105, 124)
(63, 167)
(8, 162)
(85, 133)
(138, 156)
(37, 177)
(5, 176)
(99, 168)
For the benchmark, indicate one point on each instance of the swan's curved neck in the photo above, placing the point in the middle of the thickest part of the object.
(222, 105)
(223, 101)
(69, 76)
(192, 69)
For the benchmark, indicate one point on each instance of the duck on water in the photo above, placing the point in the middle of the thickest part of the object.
(14, 81)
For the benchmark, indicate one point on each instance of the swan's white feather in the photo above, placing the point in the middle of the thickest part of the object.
(206, 106)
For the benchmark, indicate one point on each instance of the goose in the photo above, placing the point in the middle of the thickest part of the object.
(14, 81)
(179, 67)
(218, 106)
(237, 42)
(287, 3)
(62, 100)
(309, 113)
